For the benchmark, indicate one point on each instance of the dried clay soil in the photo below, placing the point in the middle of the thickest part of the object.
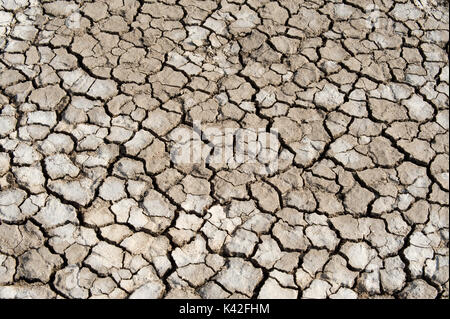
(92, 94)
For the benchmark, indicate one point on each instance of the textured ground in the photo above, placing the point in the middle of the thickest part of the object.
(95, 96)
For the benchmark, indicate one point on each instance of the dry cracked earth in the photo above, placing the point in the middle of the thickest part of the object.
(96, 95)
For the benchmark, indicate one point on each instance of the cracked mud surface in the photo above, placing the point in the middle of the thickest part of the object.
(92, 94)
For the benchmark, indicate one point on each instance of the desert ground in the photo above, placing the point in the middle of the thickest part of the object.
(224, 149)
